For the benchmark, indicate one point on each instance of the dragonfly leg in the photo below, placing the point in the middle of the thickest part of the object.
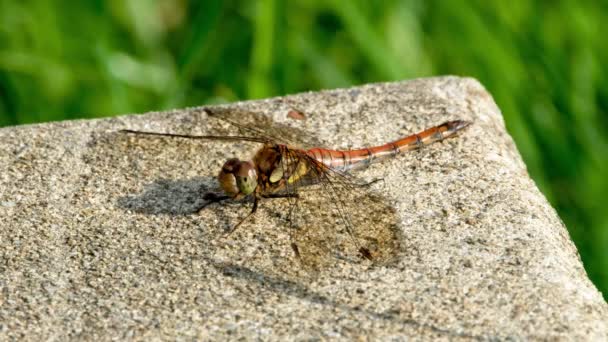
(211, 198)
(295, 248)
(253, 210)
(281, 196)
(292, 229)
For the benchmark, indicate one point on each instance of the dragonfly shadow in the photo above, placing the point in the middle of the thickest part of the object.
(170, 197)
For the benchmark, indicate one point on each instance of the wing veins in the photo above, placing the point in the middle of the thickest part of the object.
(198, 137)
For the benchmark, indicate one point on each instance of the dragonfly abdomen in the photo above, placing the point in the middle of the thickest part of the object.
(345, 160)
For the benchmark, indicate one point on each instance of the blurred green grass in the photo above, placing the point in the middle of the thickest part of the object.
(544, 62)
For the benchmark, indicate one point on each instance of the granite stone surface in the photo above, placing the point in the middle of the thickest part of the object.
(101, 236)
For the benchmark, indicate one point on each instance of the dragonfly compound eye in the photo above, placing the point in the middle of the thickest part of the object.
(246, 178)
(238, 177)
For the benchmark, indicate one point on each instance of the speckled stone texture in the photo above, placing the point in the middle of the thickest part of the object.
(101, 239)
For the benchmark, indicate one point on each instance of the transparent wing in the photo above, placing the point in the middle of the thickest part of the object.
(335, 215)
(236, 124)
(256, 124)
(261, 140)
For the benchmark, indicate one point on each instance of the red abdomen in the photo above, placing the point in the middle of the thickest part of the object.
(347, 160)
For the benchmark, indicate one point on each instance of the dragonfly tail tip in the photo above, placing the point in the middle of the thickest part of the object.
(457, 125)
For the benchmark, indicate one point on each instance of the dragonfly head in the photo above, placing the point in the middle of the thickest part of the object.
(238, 178)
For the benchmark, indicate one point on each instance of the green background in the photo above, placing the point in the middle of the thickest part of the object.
(545, 62)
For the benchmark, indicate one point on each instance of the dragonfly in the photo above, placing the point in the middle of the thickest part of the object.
(327, 204)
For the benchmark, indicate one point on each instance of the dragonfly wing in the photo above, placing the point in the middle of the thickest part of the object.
(197, 137)
(256, 124)
(235, 124)
(337, 215)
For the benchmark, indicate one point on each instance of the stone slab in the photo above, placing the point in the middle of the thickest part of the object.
(100, 236)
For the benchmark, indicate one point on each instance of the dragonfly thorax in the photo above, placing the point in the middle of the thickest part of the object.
(238, 178)
(278, 166)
